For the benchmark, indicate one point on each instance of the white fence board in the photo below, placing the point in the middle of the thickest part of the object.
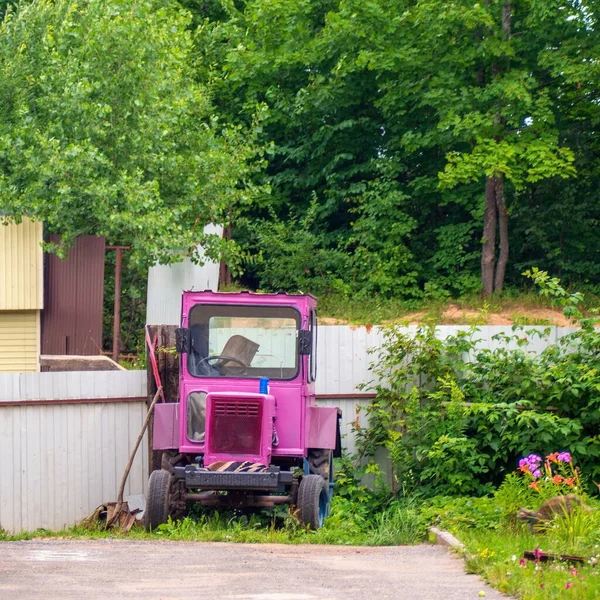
(61, 461)
(351, 416)
(72, 385)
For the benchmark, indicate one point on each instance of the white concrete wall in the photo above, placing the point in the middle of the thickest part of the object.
(166, 282)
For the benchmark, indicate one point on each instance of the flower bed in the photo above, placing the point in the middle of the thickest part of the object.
(564, 550)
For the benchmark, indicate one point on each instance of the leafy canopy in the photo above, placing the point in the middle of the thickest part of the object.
(391, 115)
(104, 129)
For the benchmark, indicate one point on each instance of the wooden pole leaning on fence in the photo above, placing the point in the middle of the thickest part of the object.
(118, 509)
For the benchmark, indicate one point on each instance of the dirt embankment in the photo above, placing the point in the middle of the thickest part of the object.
(453, 314)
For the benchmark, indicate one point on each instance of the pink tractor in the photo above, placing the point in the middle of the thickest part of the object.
(246, 431)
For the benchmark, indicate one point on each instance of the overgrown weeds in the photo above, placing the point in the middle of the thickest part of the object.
(456, 416)
(396, 525)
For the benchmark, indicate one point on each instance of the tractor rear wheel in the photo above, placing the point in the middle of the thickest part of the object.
(159, 492)
(313, 501)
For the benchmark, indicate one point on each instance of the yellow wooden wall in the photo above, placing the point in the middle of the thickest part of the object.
(21, 295)
(21, 266)
(19, 340)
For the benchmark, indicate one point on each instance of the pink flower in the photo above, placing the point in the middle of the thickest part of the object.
(573, 571)
(531, 463)
(564, 457)
(568, 585)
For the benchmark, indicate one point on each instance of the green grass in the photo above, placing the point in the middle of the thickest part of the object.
(397, 525)
(495, 542)
(497, 557)
(365, 311)
(519, 307)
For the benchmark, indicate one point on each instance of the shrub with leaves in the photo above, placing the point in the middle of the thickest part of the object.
(456, 418)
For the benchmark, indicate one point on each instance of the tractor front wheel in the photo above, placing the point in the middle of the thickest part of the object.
(159, 492)
(313, 501)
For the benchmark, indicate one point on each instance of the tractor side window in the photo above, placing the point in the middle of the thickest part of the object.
(243, 341)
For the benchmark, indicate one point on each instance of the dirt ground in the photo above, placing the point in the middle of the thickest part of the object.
(455, 315)
(166, 570)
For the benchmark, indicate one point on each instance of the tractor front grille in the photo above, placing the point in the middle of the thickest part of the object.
(235, 426)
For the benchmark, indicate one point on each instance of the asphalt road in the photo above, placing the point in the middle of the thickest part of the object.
(166, 570)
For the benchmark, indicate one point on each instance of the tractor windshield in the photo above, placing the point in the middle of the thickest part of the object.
(243, 341)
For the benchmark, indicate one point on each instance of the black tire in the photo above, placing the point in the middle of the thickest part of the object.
(319, 462)
(313, 501)
(157, 507)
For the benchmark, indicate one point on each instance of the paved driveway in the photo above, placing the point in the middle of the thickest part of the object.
(151, 570)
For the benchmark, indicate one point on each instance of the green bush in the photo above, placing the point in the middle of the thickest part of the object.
(456, 419)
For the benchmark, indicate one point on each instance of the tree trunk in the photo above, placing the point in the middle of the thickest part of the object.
(225, 278)
(506, 20)
(499, 185)
(492, 274)
(488, 252)
(503, 230)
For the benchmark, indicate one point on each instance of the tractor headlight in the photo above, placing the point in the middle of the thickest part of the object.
(196, 416)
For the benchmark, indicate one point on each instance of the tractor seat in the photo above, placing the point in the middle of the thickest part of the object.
(240, 348)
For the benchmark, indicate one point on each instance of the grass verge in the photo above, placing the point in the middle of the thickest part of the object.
(512, 307)
(398, 524)
(498, 558)
(495, 544)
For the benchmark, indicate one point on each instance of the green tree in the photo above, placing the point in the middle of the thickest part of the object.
(472, 74)
(423, 129)
(105, 130)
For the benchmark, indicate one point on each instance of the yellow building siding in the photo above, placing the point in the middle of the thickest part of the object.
(20, 340)
(21, 266)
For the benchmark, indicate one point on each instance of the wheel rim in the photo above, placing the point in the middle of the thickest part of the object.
(323, 507)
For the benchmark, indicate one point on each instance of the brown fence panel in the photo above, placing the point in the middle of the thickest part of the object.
(74, 294)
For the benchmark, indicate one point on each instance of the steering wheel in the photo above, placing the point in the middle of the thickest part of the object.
(211, 359)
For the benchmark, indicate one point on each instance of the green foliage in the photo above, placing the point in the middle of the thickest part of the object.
(105, 131)
(391, 115)
(346, 142)
(456, 418)
(289, 254)
(511, 496)
(454, 514)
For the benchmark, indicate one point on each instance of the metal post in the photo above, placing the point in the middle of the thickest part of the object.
(117, 308)
(117, 320)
